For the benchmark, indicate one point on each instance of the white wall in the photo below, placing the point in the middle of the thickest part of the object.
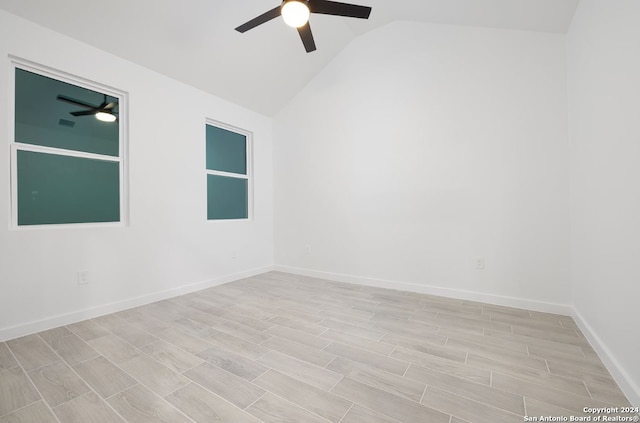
(168, 245)
(421, 147)
(604, 93)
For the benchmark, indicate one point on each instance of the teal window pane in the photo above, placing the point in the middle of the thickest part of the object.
(226, 150)
(42, 119)
(54, 189)
(227, 198)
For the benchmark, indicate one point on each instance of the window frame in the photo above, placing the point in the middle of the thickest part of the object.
(249, 166)
(14, 146)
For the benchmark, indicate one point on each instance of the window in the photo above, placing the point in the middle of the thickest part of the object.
(228, 177)
(67, 165)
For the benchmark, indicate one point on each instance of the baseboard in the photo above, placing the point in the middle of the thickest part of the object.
(622, 378)
(564, 309)
(90, 313)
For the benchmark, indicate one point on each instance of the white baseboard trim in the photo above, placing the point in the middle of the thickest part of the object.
(556, 308)
(90, 313)
(624, 380)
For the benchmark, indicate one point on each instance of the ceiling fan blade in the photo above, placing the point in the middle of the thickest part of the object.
(265, 17)
(85, 113)
(307, 37)
(109, 106)
(75, 102)
(326, 7)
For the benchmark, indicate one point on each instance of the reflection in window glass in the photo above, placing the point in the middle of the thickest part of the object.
(67, 163)
(44, 119)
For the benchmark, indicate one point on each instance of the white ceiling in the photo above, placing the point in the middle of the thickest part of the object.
(194, 40)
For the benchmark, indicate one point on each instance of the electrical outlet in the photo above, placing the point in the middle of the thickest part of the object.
(83, 277)
(307, 249)
(479, 262)
(234, 255)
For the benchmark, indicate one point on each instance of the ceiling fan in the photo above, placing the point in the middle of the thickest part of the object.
(296, 14)
(103, 112)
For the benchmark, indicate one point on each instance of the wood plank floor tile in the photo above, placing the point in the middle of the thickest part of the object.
(227, 385)
(57, 383)
(88, 330)
(160, 379)
(139, 405)
(311, 340)
(318, 401)
(388, 404)
(191, 327)
(534, 341)
(273, 409)
(241, 331)
(449, 353)
(550, 353)
(253, 310)
(146, 322)
(409, 329)
(346, 328)
(314, 375)
(378, 361)
(292, 323)
(237, 345)
(132, 334)
(298, 336)
(72, 349)
(569, 367)
(88, 408)
(394, 384)
(465, 408)
(359, 414)
(171, 356)
(489, 343)
(379, 347)
(565, 336)
(299, 351)
(242, 319)
(16, 390)
(453, 368)
(32, 352)
(204, 406)
(187, 342)
(537, 408)
(53, 334)
(114, 348)
(466, 322)
(38, 412)
(608, 393)
(233, 363)
(6, 358)
(203, 317)
(544, 393)
(428, 340)
(465, 388)
(527, 373)
(104, 377)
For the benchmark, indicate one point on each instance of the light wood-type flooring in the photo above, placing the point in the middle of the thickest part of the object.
(285, 348)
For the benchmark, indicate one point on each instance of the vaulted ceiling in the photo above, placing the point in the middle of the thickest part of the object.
(194, 40)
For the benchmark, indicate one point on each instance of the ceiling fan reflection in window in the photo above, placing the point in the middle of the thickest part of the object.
(103, 112)
(296, 14)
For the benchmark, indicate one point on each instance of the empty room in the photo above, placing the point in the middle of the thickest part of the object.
(308, 211)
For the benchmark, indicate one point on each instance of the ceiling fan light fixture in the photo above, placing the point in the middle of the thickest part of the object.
(295, 13)
(106, 117)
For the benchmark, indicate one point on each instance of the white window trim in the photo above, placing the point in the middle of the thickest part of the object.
(249, 160)
(14, 147)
